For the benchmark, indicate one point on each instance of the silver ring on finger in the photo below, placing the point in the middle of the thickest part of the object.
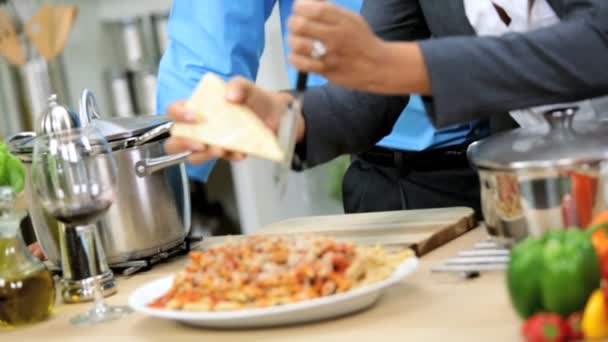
(318, 49)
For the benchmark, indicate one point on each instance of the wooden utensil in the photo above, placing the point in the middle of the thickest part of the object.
(65, 16)
(421, 230)
(10, 46)
(4, 22)
(40, 30)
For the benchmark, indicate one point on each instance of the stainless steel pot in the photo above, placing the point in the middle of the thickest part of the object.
(152, 209)
(540, 178)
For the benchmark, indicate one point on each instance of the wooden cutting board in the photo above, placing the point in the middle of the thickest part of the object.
(421, 230)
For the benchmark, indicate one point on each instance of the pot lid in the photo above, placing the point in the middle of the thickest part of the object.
(115, 130)
(122, 128)
(562, 142)
(120, 132)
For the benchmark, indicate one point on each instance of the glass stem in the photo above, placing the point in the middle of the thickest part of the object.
(100, 305)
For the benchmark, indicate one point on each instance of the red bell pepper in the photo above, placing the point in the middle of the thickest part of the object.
(575, 332)
(545, 327)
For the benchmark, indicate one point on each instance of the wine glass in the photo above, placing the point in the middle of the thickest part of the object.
(74, 174)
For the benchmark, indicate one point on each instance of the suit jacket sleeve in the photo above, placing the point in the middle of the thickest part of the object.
(475, 77)
(341, 121)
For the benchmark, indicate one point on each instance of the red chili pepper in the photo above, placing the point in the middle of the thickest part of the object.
(575, 331)
(545, 327)
(583, 189)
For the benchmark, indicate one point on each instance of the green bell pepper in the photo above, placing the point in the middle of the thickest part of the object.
(555, 273)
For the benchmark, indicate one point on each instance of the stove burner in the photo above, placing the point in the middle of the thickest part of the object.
(134, 266)
(140, 265)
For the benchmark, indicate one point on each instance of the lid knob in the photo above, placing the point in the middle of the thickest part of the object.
(561, 118)
(57, 118)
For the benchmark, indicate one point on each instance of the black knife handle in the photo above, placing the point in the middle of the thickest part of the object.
(302, 81)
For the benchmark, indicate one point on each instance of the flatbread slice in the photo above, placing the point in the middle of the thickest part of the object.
(227, 125)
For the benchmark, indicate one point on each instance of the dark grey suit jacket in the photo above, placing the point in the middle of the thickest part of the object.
(471, 78)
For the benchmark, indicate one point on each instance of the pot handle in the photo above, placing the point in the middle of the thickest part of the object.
(88, 108)
(148, 166)
(14, 139)
(19, 136)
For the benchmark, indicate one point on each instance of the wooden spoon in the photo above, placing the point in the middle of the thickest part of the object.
(4, 24)
(10, 46)
(65, 16)
(39, 29)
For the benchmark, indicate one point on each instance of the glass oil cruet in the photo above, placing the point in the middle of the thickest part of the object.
(27, 289)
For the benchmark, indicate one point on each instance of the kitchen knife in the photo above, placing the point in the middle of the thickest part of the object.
(286, 135)
(287, 131)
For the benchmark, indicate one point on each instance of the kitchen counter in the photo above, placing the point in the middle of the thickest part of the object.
(424, 307)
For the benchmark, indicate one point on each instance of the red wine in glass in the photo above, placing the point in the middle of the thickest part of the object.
(82, 215)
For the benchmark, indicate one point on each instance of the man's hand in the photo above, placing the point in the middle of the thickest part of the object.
(354, 56)
(353, 50)
(269, 106)
(36, 250)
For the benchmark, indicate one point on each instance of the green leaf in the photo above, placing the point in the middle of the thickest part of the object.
(3, 173)
(16, 173)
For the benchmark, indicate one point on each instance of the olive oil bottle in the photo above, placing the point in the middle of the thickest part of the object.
(27, 290)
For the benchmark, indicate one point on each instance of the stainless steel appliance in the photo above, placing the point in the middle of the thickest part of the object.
(10, 110)
(119, 87)
(542, 177)
(132, 92)
(127, 36)
(160, 22)
(40, 79)
(27, 84)
(152, 210)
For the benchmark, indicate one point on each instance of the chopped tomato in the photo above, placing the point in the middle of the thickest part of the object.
(340, 264)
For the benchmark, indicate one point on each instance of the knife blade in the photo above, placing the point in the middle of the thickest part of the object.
(286, 135)
(287, 131)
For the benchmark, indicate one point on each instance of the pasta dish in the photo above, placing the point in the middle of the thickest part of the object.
(264, 271)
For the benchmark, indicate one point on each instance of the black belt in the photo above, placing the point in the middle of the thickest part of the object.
(447, 158)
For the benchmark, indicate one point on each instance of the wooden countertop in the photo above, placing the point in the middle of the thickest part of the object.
(424, 307)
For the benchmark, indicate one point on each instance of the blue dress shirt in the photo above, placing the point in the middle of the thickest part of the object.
(227, 38)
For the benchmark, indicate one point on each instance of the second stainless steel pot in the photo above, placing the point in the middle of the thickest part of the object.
(536, 179)
(151, 213)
